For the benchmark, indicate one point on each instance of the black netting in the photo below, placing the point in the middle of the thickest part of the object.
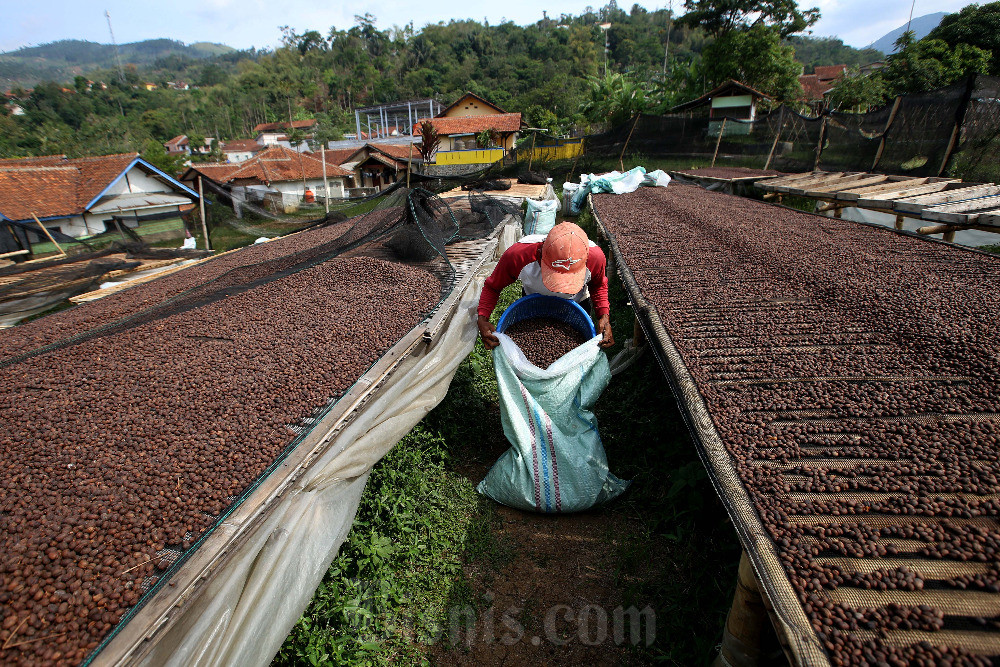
(976, 157)
(917, 141)
(852, 140)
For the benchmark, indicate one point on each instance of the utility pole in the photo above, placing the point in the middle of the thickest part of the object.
(666, 50)
(118, 57)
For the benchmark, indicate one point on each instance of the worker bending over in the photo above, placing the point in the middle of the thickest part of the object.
(564, 263)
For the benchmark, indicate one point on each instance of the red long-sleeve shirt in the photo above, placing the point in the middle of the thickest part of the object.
(516, 263)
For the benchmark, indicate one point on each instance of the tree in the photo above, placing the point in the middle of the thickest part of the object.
(488, 138)
(155, 154)
(976, 25)
(757, 58)
(429, 140)
(720, 17)
(615, 98)
(930, 63)
(858, 92)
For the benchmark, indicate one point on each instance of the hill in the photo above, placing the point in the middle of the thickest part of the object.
(61, 61)
(920, 26)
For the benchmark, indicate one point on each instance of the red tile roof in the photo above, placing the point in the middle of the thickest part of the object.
(336, 156)
(503, 122)
(398, 151)
(829, 72)
(216, 171)
(813, 89)
(178, 141)
(277, 164)
(241, 146)
(40, 161)
(274, 127)
(56, 189)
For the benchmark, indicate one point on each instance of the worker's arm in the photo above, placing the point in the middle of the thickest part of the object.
(506, 272)
(598, 287)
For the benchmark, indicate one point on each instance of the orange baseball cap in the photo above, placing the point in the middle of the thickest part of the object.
(564, 258)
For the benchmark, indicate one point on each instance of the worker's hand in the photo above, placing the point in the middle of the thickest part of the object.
(488, 333)
(604, 327)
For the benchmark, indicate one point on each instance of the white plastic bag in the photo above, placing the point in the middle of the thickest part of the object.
(556, 462)
(568, 190)
(541, 216)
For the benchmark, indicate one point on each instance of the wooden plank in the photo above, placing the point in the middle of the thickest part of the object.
(854, 194)
(777, 183)
(919, 203)
(809, 180)
(886, 199)
(990, 219)
(835, 187)
(844, 180)
(961, 212)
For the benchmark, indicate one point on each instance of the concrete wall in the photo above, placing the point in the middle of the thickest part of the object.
(470, 107)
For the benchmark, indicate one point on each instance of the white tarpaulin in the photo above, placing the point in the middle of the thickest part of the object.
(248, 606)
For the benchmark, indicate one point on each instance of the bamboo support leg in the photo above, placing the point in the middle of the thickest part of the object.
(838, 212)
(949, 236)
(899, 221)
(638, 335)
(748, 623)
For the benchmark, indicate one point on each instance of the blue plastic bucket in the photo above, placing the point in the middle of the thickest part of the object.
(543, 305)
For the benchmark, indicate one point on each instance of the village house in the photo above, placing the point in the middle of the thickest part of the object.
(459, 125)
(817, 85)
(376, 166)
(732, 100)
(276, 134)
(277, 176)
(85, 197)
(240, 150)
(181, 145)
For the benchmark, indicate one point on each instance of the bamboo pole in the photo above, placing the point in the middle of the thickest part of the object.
(747, 624)
(885, 131)
(201, 205)
(819, 144)
(326, 184)
(531, 153)
(569, 179)
(409, 164)
(951, 147)
(899, 221)
(718, 141)
(51, 238)
(621, 158)
(777, 135)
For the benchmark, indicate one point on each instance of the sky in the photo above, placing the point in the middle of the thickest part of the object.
(246, 23)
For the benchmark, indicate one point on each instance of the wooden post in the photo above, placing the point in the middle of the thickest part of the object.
(899, 221)
(201, 204)
(569, 179)
(638, 335)
(621, 158)
(774, 144)
(951, 147)
(747, 624)
(819, 144)
(51, 238)
(949, 236)
(409, 164)
(718, 141)
(885, 131)
(326, 184)
(531, 152)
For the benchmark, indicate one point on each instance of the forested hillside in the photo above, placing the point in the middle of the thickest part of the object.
(63, 60)
(562, 73)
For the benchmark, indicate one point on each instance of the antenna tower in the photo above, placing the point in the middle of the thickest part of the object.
(118, 57)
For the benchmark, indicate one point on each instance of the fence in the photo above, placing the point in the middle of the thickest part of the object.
(950, 131)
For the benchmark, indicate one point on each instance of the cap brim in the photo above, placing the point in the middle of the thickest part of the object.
(563, 283)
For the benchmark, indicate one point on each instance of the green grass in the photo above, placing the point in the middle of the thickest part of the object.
(993, 248)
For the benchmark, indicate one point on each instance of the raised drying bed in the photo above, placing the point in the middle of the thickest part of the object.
(840, 381)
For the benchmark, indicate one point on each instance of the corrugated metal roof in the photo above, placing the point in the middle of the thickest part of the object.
(138, 200)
